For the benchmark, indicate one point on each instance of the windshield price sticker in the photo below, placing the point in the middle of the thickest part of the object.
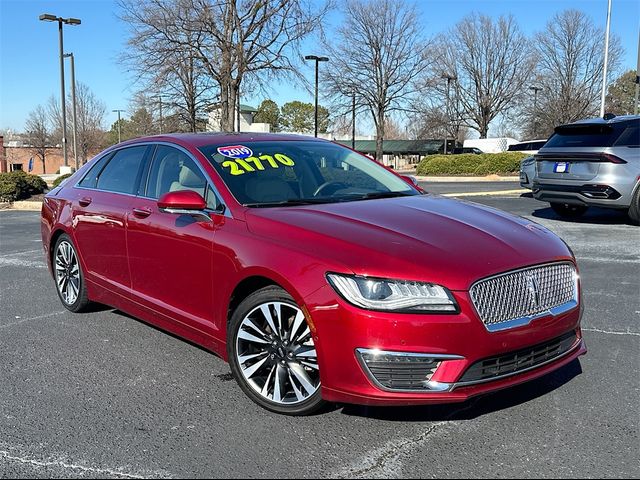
(235, 151)
(255, 164)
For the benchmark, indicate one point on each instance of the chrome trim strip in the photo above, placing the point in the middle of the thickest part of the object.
(226, 212)
(431, 386)
(522, 321)
(440, 387)
(528, 369)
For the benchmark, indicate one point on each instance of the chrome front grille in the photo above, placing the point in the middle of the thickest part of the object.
(516, 298)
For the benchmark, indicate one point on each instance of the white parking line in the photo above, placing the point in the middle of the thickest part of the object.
(486, 194)
(609, 332)
(65, 465)
(47, 315)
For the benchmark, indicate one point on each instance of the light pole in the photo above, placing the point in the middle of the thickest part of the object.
(73, 101)
(635, 104)
(119, 138)
(449, 78)
(606, 61)
(535, 89)
(317, 60)
(353, 120)
(45, 17)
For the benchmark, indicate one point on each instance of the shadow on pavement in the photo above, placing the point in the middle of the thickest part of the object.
(475, 407)
(595, 215)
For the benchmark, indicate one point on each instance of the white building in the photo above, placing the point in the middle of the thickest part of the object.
(246, 120)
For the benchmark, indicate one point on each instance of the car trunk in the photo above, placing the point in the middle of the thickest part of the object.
(576, 152)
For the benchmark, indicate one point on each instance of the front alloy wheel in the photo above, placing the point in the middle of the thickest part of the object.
(272, 354)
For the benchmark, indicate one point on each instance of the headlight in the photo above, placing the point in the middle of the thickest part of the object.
(394, 295)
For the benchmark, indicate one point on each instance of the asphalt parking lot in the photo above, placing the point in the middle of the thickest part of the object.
(104, 395)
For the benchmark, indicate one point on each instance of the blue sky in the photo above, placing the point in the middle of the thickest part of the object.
(29, 72)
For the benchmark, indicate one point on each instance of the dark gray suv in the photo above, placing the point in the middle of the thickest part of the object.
(591, 162)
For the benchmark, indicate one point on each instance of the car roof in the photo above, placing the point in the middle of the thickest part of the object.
(607, 121)
(209, 138)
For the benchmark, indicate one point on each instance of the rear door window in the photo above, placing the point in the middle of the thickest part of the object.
(121, 175)
(91, 177)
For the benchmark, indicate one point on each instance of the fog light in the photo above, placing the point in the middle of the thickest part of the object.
(402, 371)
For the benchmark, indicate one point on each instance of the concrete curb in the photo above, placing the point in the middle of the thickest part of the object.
(488, 178)
(22, 205)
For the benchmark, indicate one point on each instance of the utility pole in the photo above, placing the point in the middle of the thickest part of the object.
(635, 105)
(160, 99)
(119, 137)
(606, 61)
(317, 60)
(535, 89)
(45, 17)
(353, 120)
(449, 78)
(73, 100)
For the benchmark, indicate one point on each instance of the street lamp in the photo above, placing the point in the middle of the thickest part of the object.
(73, 100)
(45, 17)
(119, 138)
(450, 78)
(317, 60)
(606, 61)
(535, 89)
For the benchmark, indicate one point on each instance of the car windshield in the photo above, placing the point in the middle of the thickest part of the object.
(285, 173)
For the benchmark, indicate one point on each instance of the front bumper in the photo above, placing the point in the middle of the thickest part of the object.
(340, 330)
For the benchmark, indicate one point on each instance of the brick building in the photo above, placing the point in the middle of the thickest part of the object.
(14, 156)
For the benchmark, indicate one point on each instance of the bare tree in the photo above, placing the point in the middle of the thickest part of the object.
(379, 53)
(491, 61)
(570, 56)
(39, 134)
(232, 40)
(90, 113)
(172, 70)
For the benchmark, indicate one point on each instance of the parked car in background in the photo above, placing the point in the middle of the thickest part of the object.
(317, 273)
(592, 162)
(527, 172)
(531, 146)
(459, 150)
(527, 165)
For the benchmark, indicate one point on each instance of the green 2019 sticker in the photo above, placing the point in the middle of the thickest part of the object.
(254, 164)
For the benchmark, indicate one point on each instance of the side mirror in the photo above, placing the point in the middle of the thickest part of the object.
(183, 202)
(410, 179)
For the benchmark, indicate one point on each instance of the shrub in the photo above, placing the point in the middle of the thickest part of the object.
(470, 164)
(18, 185)
(61, 178)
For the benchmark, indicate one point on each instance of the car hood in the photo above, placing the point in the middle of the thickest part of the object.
(424, 238)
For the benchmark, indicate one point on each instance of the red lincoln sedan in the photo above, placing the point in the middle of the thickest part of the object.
(318, 274)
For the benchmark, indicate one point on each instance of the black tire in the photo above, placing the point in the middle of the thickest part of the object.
(81, 301)
(634, 208)
(566, 210)
(260, 297)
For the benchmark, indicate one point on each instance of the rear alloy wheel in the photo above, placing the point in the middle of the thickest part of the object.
(566, 210)
(68, 275)
(272, 354)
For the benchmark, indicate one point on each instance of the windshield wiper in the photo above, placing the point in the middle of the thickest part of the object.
(373, 195)
(290, 202)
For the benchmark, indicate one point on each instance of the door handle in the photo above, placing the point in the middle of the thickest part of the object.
(84, 201)
(141, 212)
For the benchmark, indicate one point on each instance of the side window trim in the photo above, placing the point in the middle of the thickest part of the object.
(106, 158)
(209, 187)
